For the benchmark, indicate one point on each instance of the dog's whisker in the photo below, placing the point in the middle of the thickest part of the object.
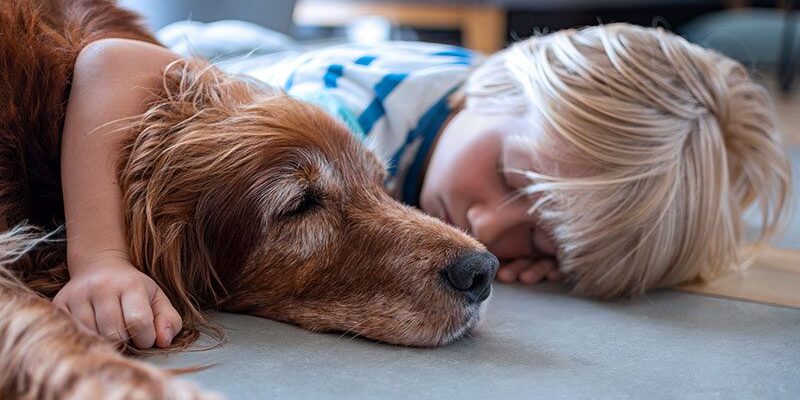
(351, 330)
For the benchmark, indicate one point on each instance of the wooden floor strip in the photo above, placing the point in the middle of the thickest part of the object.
(773, 279)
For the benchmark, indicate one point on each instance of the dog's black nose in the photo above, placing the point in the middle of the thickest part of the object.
(471, 274)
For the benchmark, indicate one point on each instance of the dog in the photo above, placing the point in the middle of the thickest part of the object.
(238, 198)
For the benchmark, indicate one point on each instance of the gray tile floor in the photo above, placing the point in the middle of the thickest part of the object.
(535, 343)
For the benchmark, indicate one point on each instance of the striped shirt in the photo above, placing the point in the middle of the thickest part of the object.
(392, 95)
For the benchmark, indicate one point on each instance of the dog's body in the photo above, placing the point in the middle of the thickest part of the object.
(237, 198)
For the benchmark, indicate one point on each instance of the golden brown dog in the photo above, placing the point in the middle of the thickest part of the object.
(238, 198)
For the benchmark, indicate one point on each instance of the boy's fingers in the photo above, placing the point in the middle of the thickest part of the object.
(509, 272)
(555, 276)
(138, 316)
(537, 271)
(83, 312)
(59, 301)
(168, 321)
(80, 311)
(110, 323)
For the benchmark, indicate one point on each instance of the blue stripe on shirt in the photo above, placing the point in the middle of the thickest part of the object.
(387, 84)
(427, 128)
(289, 81)
(461, 62)
(374, 110)
(370, 115)
(365, 60)
(461, 53)
(334, 72)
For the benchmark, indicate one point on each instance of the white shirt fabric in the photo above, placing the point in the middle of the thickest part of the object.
(393, 95)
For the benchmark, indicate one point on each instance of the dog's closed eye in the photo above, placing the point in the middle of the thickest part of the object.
(308, 201)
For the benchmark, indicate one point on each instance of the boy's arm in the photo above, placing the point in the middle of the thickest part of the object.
(106, 293)
(111, 81)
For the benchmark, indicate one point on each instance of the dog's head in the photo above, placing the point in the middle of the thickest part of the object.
(244, 199)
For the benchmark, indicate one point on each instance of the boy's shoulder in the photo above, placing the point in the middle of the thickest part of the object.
(120, 62)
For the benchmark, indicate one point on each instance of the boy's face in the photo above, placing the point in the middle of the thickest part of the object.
(467, 183)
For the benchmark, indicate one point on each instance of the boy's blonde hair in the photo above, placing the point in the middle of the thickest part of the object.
(680, 140)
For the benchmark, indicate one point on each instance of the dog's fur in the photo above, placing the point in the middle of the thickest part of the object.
(237, 198)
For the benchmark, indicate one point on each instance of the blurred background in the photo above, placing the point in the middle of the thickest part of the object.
(763, 34)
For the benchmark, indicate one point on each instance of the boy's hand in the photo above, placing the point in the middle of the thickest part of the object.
(113, 298)
(528, 271)
(540, 266)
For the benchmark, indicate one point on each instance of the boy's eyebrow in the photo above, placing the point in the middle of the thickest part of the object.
(501, 170)
(532, 165)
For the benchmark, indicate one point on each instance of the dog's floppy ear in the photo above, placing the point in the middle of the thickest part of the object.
(192, 86)
(186, 174)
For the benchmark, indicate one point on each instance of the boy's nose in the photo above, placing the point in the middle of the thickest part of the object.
(489, 223)
(505, 231)
(471, 274)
